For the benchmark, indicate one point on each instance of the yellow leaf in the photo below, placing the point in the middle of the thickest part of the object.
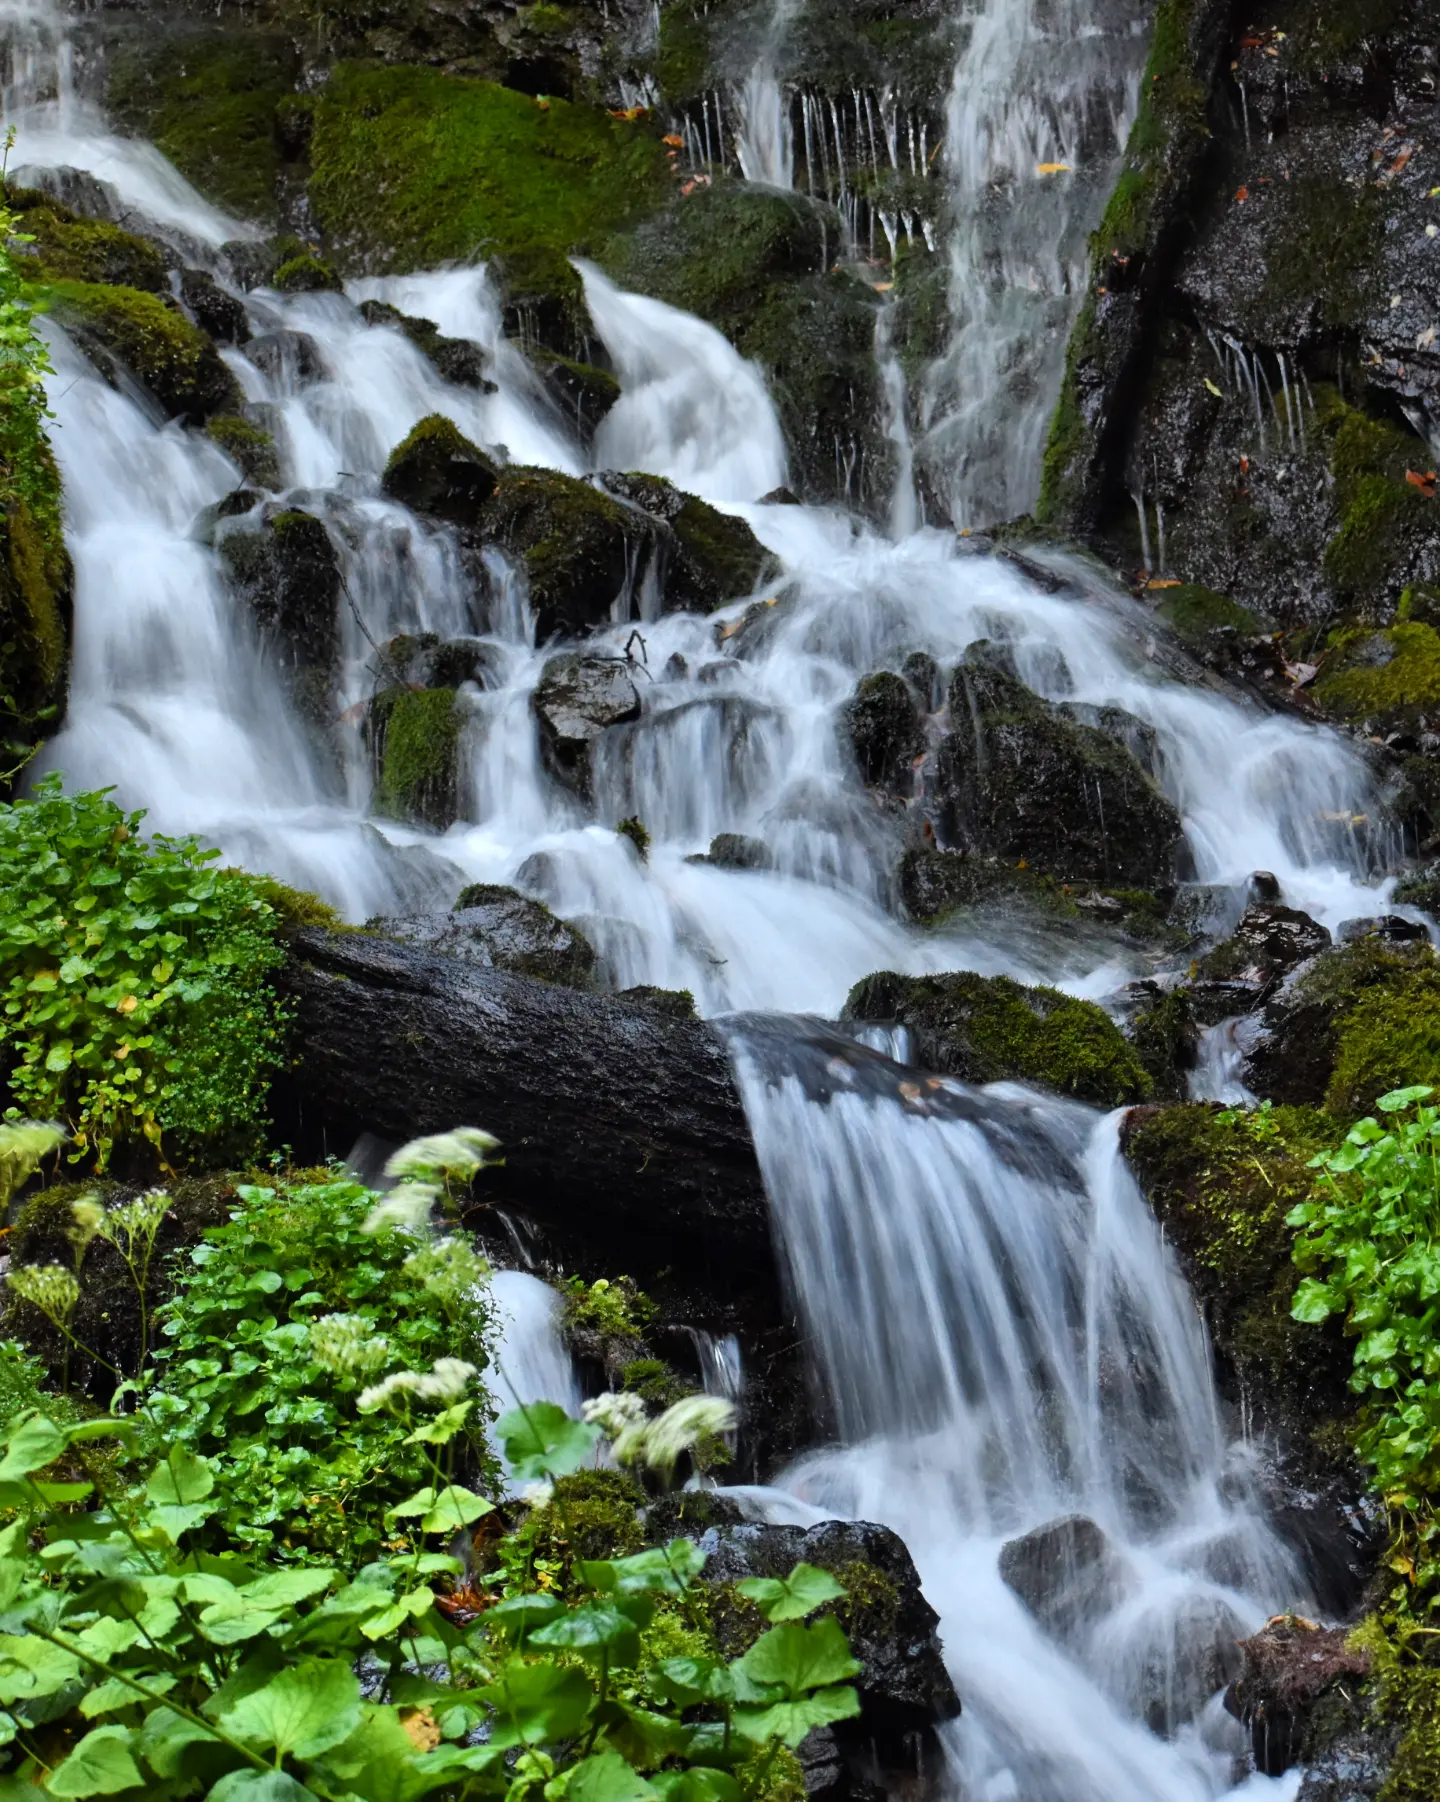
(422, 1728)
(1213, 389)
(128, 1005)
(1052, 168)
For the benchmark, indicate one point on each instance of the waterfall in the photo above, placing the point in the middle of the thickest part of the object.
(1040, 108)
(1005, 1345)
(764, 140)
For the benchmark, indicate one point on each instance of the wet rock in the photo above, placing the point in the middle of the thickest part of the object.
(454, 360)
(711, 558)
(922, 672)
(1421, 888)
(990, 1029)
(678, 1003)
(249, 446)
(585, 555)
(576, 699)
(148, 337)
(735, 851)
(1270, 941)
(543, 302)
(436, 470)
(886, 733)
(1187, 1656)
(425, 660)
(903, 1686)
(1264, 886)
(1066, 1573)
(501, 929)
(1393, 927)
(1288, 1667)
(306, 275)
(292, 360)
(76, 189)
(213, 310)
(1016, 779)
(583, 393)
(284, 570)
(414, 737)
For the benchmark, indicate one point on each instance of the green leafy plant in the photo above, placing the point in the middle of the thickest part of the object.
(1368, 1243)
(135, 981)
(25, 470)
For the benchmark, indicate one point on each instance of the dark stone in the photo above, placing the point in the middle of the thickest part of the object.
(284, 570)
(904, 1686)
(1270, 941)
(576, 699)
(501, 929)
(885, 732)
(678, 1003)
(1066, 1573)
(77, 189)
(454, 360)
(1287, 1669)
(583, 393)
(1189, 1657)
(1264, 886)
(292, 360)
(437, 470)
(922, 672)
(1018, 780)
(710, 557)
(780, 497)
(734, 851)
(213, 310)
(1393, 927)
(620, 1124)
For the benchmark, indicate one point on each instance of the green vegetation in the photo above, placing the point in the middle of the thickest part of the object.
(153, 339)
(411, 168)
(637, 833)
(64, 247)
(615, 1310)
(992, 1029)
(306, 275)
(418, 732)
(1193, 611)
(249, 447)
(137, 1005)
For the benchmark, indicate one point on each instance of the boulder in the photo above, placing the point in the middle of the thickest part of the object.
(991, 1029)
(1017, 779)
(1270, 941)
(292, 360)
(576, 699)
(148, 336)
(306, 275)
(501, 929)
(736, 851)
(414, 737)
(220, 314)
(885, 732)
(283, 569)
(455, 360)
(584, 553)
(249, 447)
(1066, 1573)
(710, 558)
(583, 393)
(1287, 1669)
(1180, 1658)
(903, 1686)
(437, 470)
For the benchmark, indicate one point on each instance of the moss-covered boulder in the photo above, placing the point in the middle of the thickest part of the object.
(1357, 1021)
(69, 248)
(153, 340)
(213, 309)
(415, 744)
(576, 699)
(283, 569)
(582, 392)
(437, 470)
(1269, 941)
(710, 558)
(885, 732)
(543, 301)
(501, 929)
(306, 274)
(411, 168)
(36, 584)
(582, 550)
(455, 360)
(250, 447)
(1018, 780)
(991, 1029)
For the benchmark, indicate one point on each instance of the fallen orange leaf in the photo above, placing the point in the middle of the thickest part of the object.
(1242, 193)
(1052, 168)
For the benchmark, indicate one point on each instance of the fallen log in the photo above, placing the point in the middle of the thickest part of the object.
(616, 1120)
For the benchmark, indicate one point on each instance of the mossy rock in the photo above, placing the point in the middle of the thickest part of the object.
(500, 929)
(153, 340)
(306, 275)
(1221, 1190)
(36, 586)
(593, 1514)
(543, 301)
(411, 168)
(415, 741)
(249, 447)
(284, 570)
(437, 470)
(992, 1029)
(713, 557)
(1193, 612)
(885, 731)
(454, 360)
(583, 393)
(209, 97)
(69, 248)
(296, 909)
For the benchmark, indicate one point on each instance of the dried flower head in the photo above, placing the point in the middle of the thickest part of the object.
(345, 1345)
(406, 1209)
(87, 1219)
(538, 1495)
(658, 1443)
(49, 1287)
(451, 1270)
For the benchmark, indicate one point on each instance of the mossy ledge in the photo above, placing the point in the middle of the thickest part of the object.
(153, 340)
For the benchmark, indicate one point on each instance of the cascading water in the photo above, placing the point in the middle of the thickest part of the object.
(1001, 1334)
(764, 138)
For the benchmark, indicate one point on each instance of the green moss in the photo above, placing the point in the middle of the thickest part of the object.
(1399, 668)
(248, 446)
(418, 732)
(1389, 1039)
(306, 275)
(637, 834)
(1163, 1035)
(617, 1310)
(1221, 1190)
(870, 1597)
(544, 299)
(593, 1514)
(208, 99)
(35, 585)
(1361, 557)
(411, 168)
(682, 60)
(1403, 1695)
(1323, 34)
(1193, 611)
(772, 1773)
(153, 339)
(1062, 468)
(68, 248)
(654, 1381)
(991, 1029)
(297, 908)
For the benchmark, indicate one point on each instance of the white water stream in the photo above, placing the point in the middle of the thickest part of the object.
(1001, 1334)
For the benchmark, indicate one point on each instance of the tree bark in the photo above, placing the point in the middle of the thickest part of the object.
(617, 1122)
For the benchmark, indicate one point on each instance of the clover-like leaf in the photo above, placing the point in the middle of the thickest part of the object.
(305, 1709)
(792, 1598)
(100, 1765)
(541, 1440)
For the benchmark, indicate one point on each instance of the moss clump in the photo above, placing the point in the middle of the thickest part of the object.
(411, 168)
(297, 908)
(153, 339)
(68, 248)
(306, 275)
(682, 58)
(417, 733)
(1164, 1036)
(544, 300)
(635, 830)
(35, 593)
(579, 544)
(1221, 1184)
(1193, 611)
(991, 1029)
(249, 447)
(1378, 674)
(615, 1310)
(594, 1514)
(1362, 556)
(1403, 1696)
(654, 1381)
(1389, 1039)
(208, 99)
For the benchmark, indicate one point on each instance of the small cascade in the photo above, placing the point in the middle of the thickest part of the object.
(1006, 1345)
(1219, 1071)
(532, 1362)
(764, 138)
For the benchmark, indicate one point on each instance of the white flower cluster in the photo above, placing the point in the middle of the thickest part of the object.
(406, 1208)
(344, 1345)
(460, 1152)
(22, 1145)
(49, 1287)
(658, 1443)
(88, 1220)
(451, 1269)
(538, 1495)
(444, 1383)
(614, 1414)
(137, 1220)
